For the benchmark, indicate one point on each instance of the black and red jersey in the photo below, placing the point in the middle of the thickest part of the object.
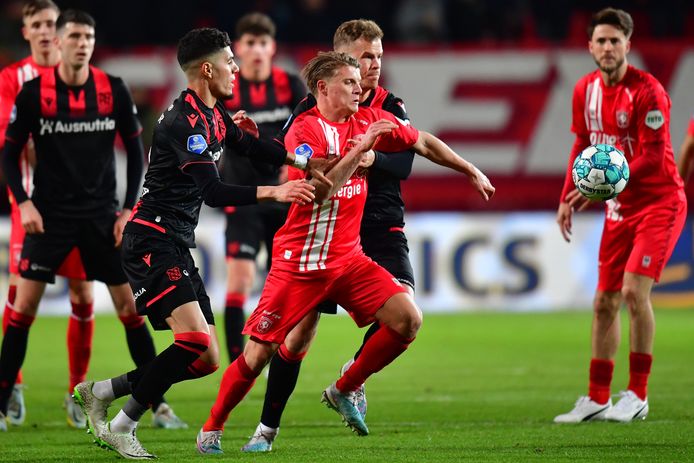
(269, 103)
(188, 133)
(384, 205)
(73, 130)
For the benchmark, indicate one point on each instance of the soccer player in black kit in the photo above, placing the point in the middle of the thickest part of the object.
(73, 113)
(188, 141)
(268, 94)
(382, 227)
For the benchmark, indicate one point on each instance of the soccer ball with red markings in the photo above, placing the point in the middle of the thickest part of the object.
(600, 172)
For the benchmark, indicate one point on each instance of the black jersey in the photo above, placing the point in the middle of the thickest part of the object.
(188, 133)
(73, 130)
(384, 205)
(269, 103)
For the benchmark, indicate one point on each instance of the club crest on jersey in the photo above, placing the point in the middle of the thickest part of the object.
(304, 150)
(197, 144)
(13, 114)
(622, 119)
(654, 119)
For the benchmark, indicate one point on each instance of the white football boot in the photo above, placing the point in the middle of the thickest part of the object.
(585, 409)
(628, 408)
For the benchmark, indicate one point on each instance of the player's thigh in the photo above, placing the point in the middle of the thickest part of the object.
(301, 336)
(363, 288)
(655, 237)
(401, 314)
(616, 245)
(17, 234)
(286, 299)
(240, 274)
(43, 253)
(97, 247)
(158, 271)
(389, 249)
(187, 317)
(29, 294)
(80, 291)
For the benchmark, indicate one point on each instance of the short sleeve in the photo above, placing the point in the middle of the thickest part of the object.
(127, 121)
(400, 138)
(690, 129)
(653, 113)
(396, 107)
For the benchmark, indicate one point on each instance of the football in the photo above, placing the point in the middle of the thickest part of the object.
(600, 172)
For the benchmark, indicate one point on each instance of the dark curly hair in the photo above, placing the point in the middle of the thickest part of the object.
(199, 43)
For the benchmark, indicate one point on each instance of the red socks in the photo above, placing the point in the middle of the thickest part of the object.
(80, 331)
(639, 370)
(238, 379)
(600, 380)
(380, 349)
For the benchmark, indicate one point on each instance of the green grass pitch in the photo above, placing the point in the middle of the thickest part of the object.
(473, 387)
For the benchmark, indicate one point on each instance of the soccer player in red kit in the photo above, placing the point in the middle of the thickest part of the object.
(686, 156)
(317, 254)
(620, 105)
(267, 94)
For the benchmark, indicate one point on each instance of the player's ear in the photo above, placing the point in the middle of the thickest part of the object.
(322, 87)
(627, 46)
(206, 69)
(25, 33)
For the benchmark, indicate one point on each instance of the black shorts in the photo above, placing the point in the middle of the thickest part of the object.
(249, 226)
(388, 248)
(163, 276)
(44, 253)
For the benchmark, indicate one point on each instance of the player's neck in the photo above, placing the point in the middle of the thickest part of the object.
(338, 115)
(47, 59)
(74, 77)
(256, 74)
(613, 78)
(202, 90)
(365, 95)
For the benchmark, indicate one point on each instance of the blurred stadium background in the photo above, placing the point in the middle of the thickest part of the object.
(492, 78)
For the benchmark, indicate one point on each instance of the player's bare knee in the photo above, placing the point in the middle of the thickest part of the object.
(636, 299)
(257, 354)
(81, 292)
(606, 304)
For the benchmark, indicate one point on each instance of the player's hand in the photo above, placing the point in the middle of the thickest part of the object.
(245, 123)
(294, 191)
(481, 183)
(367, 159)
(118, 227)
(564, 216)
(31, 217)
(375, 130)
(577, 201)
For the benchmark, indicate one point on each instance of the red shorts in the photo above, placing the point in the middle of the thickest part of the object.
(641, 243)
(362, 287)
(70, 268)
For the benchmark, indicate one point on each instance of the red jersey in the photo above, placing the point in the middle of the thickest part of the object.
(325, 236)
(690, 129)
(633, 115)
(12, 78)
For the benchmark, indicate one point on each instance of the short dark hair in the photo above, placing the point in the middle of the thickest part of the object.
(351, 31)
(614, 17)
(32, 7)
(199, 43)
(74, 16)
(255, 24)
(324, 66)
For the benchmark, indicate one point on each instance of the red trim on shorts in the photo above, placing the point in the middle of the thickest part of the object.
(160, 295)
(104, 93)
(150, 224)
(396, 229)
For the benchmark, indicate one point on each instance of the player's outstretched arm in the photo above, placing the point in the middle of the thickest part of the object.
(435, 150)
(346, 166)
